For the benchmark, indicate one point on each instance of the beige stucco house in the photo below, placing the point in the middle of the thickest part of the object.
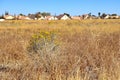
(9, 17)
(64, 17)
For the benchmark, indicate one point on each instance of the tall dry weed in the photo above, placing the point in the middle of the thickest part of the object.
(89, 50)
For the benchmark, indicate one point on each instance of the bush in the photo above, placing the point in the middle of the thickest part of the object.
(43, 49)
(43, 41)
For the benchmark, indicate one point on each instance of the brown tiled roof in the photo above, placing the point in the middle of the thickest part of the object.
(47, 17)
(60, 16)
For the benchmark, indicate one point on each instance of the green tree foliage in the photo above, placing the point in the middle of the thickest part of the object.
(103, 15)
(6, 13)
(89, 14)
(38, 15)
(113, 14)
(2, 17)
(45, 14)
(99, 14)
(21, 14)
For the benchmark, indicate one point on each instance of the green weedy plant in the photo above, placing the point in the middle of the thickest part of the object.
(43, 49)
(43, 41)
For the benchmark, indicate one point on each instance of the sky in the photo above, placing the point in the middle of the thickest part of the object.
(73, 7)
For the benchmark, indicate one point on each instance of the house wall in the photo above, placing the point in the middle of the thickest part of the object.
(27, 18)
(9, 17)
(42, 18)
(76, 18)
(52, 18)
(65, 17)
(111, 17)
(2, 20)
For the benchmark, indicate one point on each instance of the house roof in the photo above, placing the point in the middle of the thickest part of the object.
(47, 17)
(61, 15)
(32, 16)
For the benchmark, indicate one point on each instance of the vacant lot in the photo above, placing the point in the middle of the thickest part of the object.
(60, 50)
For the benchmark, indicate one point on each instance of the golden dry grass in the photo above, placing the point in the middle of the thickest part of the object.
(89, 50)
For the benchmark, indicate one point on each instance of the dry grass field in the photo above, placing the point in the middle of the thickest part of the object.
(81, 50)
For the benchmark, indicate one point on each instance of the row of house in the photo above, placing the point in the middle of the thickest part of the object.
(59, 17)
(33, 17)
(112, 17)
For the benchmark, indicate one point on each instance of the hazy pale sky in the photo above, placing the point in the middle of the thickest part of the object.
(73, 7)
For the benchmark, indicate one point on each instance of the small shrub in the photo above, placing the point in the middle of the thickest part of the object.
(43, 49)
(43, 41)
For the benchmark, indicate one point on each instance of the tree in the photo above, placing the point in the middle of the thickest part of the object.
(38, 15)
(99, 14)
(21, 14)
(2, 17)
(103, 15)
(89, 14)
(6, 13)
(29, 14)
(45, 14)
(114, 15)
